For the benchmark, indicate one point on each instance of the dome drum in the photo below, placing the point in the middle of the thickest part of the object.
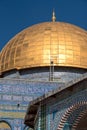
(46, 74)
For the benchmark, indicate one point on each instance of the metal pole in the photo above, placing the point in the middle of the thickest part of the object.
(51, 76)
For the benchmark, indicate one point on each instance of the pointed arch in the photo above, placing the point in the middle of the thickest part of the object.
(69, 111)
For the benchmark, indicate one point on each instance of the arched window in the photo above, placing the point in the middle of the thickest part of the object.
(4, 126)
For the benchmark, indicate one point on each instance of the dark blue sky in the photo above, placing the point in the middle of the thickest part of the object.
(15, 15)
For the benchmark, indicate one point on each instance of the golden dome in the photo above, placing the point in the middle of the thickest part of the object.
(38, 45)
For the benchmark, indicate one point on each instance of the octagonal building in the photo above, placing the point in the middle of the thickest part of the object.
(39, 59)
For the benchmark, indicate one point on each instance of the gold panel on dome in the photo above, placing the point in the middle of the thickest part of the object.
(38, 45)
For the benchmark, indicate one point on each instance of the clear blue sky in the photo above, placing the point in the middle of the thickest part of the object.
(15, 15)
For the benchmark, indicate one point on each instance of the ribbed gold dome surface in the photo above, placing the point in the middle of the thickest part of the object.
(38, 45)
